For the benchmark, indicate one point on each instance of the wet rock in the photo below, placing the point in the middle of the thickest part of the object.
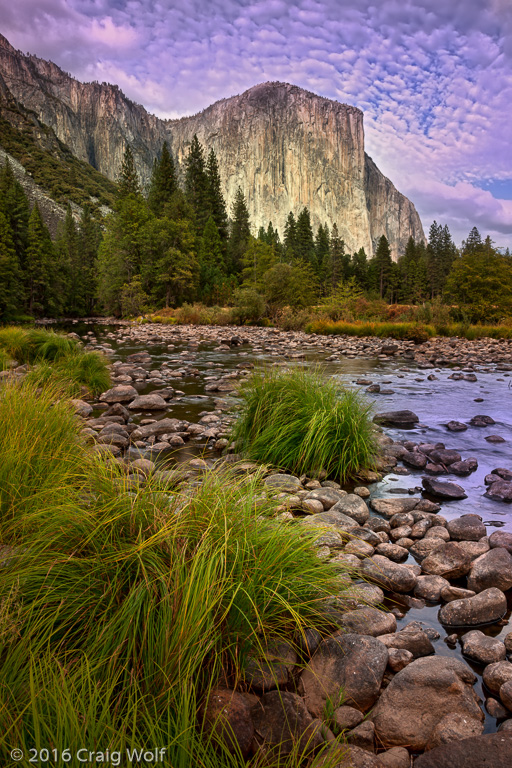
(353, 506)
(496, 674)
(466, 528)
(492, 750)
(282, 723)
(369, 621)
(421, 698)
(493, 569)
(400, 419)
(430, 587)
(481, 421)
(495, 439)
(456, 426)
(449, 561)
(388, 574)
(500, 491)
(392, 552)
(445, 456)
(450, 593)
(283, 483)
(161, 427)
(465, 467)
(506, 694)
(349, 663)
(501, 539)
(413, 640)
(123, 393)
(482, 648)
(496, 709)
(414, 459)
(327, 496)
(484, 608)
(443, 490)
(228, 716)
(150, 402)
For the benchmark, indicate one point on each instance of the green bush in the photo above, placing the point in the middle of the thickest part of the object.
(120, 604)
(304, 422)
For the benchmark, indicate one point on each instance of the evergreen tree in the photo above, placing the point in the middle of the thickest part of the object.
(336, 264)
(39, 260)
(170, 270)
(69, 265)
(15, 206)
(163, 183)
(441, 252)
(322, 242)
(11, 292)
(89, 237)
(382, 266)
(216, 202)
(304, 239)
(290, 238)
(412, 273)
(473, 243)
(240, 231)
(128, 183)
(257, 259)
(213, 271)
(197, 186)
(359, 268)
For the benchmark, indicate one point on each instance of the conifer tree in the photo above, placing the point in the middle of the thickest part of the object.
(382, 266)
(197, 188)
(69, 266)
(39, 260)
(128, 183)
(336, 259)
(89, 237)
(240, 231)
(359, 268)
(290, 238)
(16, 208)
(212, 264)
(217, 204)
(11, 291)
(163, 183)
(305, 243)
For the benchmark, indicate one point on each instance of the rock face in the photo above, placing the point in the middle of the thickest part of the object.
(285, 147)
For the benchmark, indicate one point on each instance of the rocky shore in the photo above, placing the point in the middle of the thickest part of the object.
(400, 692)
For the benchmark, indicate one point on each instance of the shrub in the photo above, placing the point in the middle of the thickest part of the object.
(249, 306)
(304, 422)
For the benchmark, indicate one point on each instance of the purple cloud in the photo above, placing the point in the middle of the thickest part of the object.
(434, 78)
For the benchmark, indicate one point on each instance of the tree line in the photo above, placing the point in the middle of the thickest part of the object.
(177, 244)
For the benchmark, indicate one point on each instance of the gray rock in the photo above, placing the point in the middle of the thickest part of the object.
(413, 640)
(496, 674)
(482, 648)
(283, 483)
(123, 393)
(369, 621)
(492, 750)
(399, 419)
(443, 490)
(493, 569)
(466, 528)
(484, 608)
(423, 696)
(456, 426)
(149, 402)
(430, 587)
(449, 561)
(350, 665)
(389, 575)
(465, 467)
(353, 506)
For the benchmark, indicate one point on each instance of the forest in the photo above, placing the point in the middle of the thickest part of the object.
(176, 243)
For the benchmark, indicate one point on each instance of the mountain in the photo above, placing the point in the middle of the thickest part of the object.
(285, 147)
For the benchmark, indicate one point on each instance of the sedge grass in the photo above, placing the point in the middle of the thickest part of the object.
(28, 345)
(304, 422)
(120, 605)
(74, 371)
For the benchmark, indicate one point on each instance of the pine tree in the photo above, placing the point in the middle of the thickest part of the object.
(216, 202)
(335, 264)
(68, 265)
(322, 251)
(359, 268)
(128, 183)
(212, 264)
(163, 183)
(170, 270)
(441, 252)
(89, 237)
(11, 291)
(39, 259)
(305, 243)
(197, 188)
(382, 266)
(473, 243)
(16, 208)
(240, 231)
(290, 238)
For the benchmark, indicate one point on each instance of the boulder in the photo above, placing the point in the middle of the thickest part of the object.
(486, 607)
(443, 490)
(369, 621)
(161, 427)
(345, 718)
(363, 736)
(449, 561)
(493, 569)
(424, 547)
(347, 665)
(149, 402)
(414, 459)
(501, 539)
(347, 757)
(456, 426)
(389, 575)
(392, 552)
(466, 528)
(81, 408)
(399, 658)
(282, 723)
(501, 490)
(422, 696)
(413, 640)
(227, 715)
(326, 496)
(496, 674)
(284, 483)
(450, 593)
(272, 668)
(491, 750)
(506, 694)
(123, 393)
(482, 648)
(396, 757)
(429, 587)
(401, 419)
(353, 506)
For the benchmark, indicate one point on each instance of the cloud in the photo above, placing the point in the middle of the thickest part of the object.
(434, 78)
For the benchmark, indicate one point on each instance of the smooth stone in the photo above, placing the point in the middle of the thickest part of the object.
(81, 408)
(345, 718)
(482, 648)
(336, 521)
(493, 569)
(486, 607)
(450, 593)
(456, 426)
(392, 552)
(414, 459)
(496, 674)
(443, 490)
(388, 574)
(348, 664)
(369, 621)
(228, 716)
(283, 483)
(327, 496)
(474, 549)
(404, 418)
(506, 694)
(359, 548)
(413, 640)
(491, 750)
(496, 709)
(396, 757)
(399, 658)
(466, 528)
(421, 698)
(272, 669)
(449, 561)
(149, 402)
(430, 587)
(425, 547)
(120, 394)
(445, 456)
(362, 736)
(353, 506)
(501, 539)
(465, 467)
(500, 491)
(481, 421)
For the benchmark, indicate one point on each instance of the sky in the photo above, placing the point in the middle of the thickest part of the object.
(433, 77)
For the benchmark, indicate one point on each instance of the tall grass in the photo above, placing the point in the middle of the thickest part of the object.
(410, 331)
(35, 344)
(120, 607)
(303, 421)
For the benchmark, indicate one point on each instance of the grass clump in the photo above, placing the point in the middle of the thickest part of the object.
(121, 606)
(304, 422)
(407, 331)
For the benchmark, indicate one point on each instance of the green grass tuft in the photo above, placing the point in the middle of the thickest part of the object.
(304, 422)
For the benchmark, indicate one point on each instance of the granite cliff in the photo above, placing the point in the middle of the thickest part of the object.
(285, 147)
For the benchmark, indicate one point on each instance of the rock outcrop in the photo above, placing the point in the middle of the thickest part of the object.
(285, 147)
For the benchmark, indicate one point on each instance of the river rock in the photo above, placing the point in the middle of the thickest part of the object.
(396, 757)
(456, 426)
(123, 393)
(369, 621)
(272, 668)
(161, 427)
(481, 421)
(350, 665)
(466, 528)
(149, 402)
(474, 549)
(228, 716)
(449, 561)
(284, 483)
(443, 490)
(484, 608)
(423, 696)
(392, 552)
(363, 736)
(496, 674)
(430, 587)
(491, 750)
(424, 547)
(500, 491)
(81, 408)
(401, 419)
(414, 459)
(347, 757)
(445, 456)
(482, 648)
(353, 506)
(465, 467)
(450, 593)
(413, 640)
(389, 575)
(282, 723)
(327, 496)
(506, 694)
(345, 718)
(493, 569)
(501, 539)
(336, 521)
(399, 658)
